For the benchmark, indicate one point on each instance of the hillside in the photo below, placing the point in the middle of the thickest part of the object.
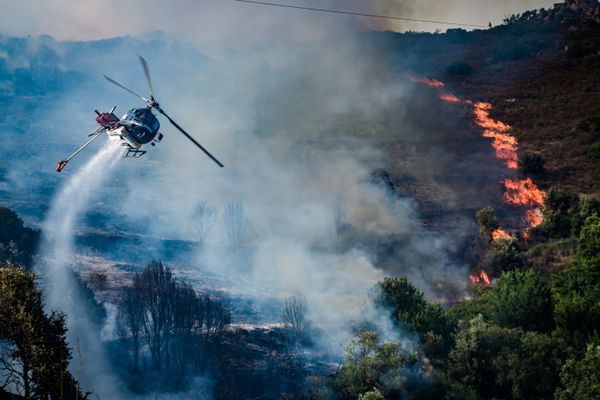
(541, 71)
(363, 241)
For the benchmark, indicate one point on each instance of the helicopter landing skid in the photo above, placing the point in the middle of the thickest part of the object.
(134, 153)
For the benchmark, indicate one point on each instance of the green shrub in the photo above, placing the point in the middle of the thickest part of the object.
(409, 308)
(565, 213)
(503, 255)
(588, 247)
(502, 363)
(17, 242)
(374, 394)
(522, 299)
(594, 151)
(532, 163)
(371, 364)
(588, 206)
(561, 206)
(486, 219)
(577, 288)
(581, 378)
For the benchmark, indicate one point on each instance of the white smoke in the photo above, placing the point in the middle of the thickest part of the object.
(296, 158)
(56, 269)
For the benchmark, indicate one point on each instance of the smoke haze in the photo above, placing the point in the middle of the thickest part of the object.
(300, 128)
(208, 21)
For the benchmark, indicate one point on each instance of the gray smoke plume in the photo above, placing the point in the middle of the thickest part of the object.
(56, 269)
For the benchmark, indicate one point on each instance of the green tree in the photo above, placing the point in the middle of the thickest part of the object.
(17, 242)
(566, 212)
(409, 307)
(371, 365)
(503, 363)
(503, 255)
(374, 394)
(577, 288)
(34, 356)
(588, 206)
(560, 206)
(580, 379)
(577, 301)
(522, 299)
(468, 309)
(588, 247)
(405, 301)
(413, 313)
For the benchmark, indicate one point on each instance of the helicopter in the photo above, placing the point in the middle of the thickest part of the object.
(138, 127)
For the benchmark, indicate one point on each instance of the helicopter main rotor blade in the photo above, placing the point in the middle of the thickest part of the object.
(189, 137)
(124, 88)
(147, 73)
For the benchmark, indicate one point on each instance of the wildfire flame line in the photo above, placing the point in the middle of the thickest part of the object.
(504, 144)
(426, 81)
(450, 98)
(519, 192)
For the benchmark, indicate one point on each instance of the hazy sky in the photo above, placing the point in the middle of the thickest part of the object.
(207, 20)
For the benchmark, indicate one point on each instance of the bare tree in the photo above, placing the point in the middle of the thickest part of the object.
(214, 318)
(205, 217)
(130, 322)
(181, 337)
(236, 224)
(294, 319)
(155, 287)
(173, 320)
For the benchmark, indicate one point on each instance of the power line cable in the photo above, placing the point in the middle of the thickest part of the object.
(329, 10)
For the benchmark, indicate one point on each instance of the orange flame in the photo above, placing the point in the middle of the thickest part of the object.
(504, 144)
(483, 278)
(426, 81)
(500, 234)
(535, 217)
(450, 98)
(521, 192)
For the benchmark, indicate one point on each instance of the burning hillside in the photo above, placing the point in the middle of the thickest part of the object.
(518, 191)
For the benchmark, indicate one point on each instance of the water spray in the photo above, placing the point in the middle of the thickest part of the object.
(56, 263)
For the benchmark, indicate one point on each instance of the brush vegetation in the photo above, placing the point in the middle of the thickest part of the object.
(533, 334)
